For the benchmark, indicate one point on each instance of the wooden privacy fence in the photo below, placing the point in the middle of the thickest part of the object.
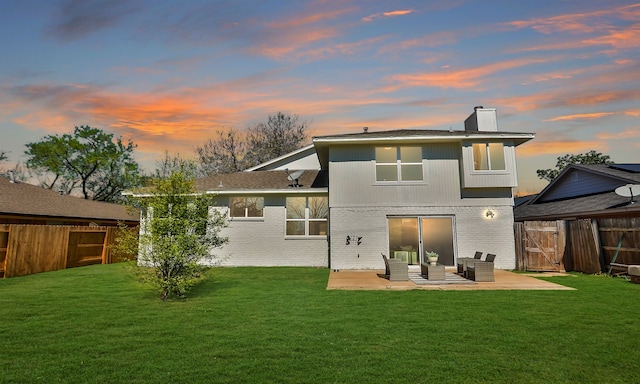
(584, 245)
(28, 249)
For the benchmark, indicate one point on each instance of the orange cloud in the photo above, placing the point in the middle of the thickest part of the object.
(400, 12)
(536, 147)
(580, 116)
(630, 133)
(465, 78)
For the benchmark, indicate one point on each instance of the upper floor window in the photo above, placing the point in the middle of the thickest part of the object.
(488, 157)
(307, 216)
(246, 206)
(399, 163)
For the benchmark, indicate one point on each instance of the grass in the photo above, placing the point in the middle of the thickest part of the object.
(279, 325)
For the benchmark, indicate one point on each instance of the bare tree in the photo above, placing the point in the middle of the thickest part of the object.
(235, 151)
(280, 135)
(225, 154)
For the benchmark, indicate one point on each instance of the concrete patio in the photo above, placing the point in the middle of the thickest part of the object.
(504, 280)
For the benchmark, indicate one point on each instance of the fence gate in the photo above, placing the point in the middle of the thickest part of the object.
(541, 245)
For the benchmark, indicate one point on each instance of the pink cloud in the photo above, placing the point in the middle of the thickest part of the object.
(464, 78)
(580, 116)
(400, 12)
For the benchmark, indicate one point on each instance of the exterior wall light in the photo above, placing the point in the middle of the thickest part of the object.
(489, 214)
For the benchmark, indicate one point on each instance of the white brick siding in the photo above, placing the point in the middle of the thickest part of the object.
(261, 242)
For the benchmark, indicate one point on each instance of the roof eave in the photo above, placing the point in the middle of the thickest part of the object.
(519, 138)
(268, 191)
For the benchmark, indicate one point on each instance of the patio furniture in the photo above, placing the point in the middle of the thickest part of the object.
(432, 272)
(481, 270)
(462, 262)
(395, 269)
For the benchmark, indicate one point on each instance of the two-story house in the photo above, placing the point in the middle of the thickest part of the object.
(345, 199)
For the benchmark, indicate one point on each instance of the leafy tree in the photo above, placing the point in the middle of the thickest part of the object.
(89, 160)
(3, 156)
(591, 157)
(234, 151)
(176, 236)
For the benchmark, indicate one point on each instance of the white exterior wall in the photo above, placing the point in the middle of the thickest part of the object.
(472, 232)
(359, 207)
(262, 242)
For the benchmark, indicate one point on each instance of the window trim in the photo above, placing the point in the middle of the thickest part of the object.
(398, 164)
(306, 220)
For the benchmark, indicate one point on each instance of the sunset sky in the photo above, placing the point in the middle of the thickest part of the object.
(169, 74)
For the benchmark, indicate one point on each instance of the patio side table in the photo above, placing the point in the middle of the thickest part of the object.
(433, 272)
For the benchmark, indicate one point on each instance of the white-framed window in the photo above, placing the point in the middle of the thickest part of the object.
(307, 215)
(488, 157)
(399, 163)
(246, 206)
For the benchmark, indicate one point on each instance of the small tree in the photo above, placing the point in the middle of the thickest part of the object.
(3, 156)
(591, 157)
(177, 235)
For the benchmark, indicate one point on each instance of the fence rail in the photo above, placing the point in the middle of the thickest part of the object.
(28, 249)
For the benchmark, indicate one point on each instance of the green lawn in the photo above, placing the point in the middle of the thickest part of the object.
(279, 325)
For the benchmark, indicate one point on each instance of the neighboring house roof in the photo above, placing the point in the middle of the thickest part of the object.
(581, 191)
(17, 198)
(263, 182)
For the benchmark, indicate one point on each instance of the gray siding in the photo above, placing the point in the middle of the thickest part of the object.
(352, 177)
(488, 179)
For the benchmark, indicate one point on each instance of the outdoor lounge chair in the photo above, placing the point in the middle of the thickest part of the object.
(462, 262)
(481, 270)
(395, 269)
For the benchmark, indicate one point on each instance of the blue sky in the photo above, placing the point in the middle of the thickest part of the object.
(169, 74)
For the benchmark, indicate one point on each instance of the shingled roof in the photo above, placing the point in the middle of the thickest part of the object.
(586, 205)
(22, 199)
(261, 181)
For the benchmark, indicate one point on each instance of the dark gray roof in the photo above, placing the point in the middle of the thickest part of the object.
(262, 180)
(410, 133)
(604, 203)
(25, 199)
(601, 204)
(612, 170)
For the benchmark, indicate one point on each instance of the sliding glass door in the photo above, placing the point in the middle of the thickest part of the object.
(410, 237)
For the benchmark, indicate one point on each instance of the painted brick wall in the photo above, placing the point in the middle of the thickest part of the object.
(261, 242)
(473, 232)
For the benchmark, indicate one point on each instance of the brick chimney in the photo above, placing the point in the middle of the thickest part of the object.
(482, 119)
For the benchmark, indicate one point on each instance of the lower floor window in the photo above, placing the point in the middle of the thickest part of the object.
(307, 215)
(243, 206)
